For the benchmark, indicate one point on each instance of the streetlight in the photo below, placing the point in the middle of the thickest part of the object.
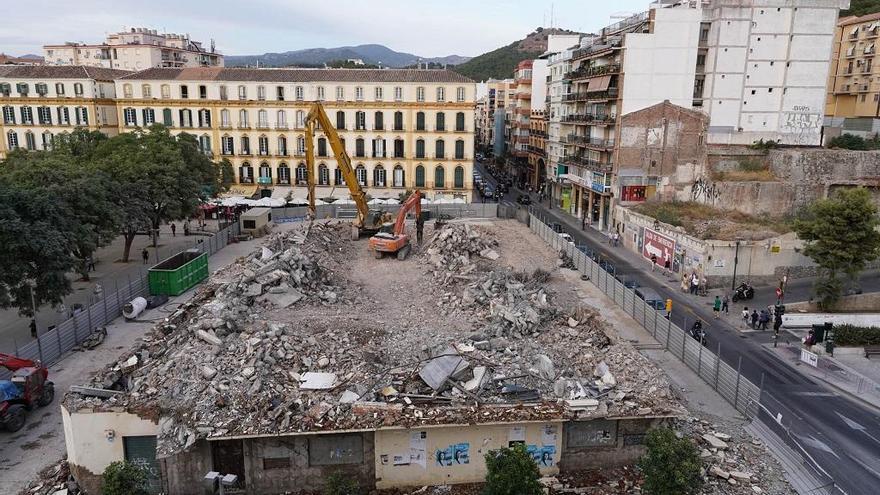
(735, 263)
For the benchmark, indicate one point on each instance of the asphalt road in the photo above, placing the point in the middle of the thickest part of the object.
(841, 436)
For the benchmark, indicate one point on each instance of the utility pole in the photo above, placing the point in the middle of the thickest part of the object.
(735, 262)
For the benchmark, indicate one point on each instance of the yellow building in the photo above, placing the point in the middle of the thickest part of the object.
(853, 88)
(402, 128)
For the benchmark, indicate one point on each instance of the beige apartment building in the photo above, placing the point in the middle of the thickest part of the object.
(402, 128)
(136, 49)
(853, 104)
(38, 102)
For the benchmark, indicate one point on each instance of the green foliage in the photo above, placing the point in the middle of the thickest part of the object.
(123, 478)
(227, 175)
(841, 237)
(851, 335)
(764, 145)
(671, 465)
(345, 64)
(511, 471)
(861, 7)
(853, 142)
(498, 64)
(750, 165)
(340, 484)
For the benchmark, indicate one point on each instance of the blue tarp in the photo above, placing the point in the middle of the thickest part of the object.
(8, 391)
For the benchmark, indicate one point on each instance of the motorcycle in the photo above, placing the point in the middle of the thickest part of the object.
(697, 332)
(744, 291)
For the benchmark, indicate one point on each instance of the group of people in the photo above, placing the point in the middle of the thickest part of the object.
(614, 239)
(694, 283)
(756, 320)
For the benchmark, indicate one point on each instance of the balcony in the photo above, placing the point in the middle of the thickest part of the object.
(263, 125)
(597, 70)
(246, 180)
(284, 181)
(536, 150)
(264, 181)
(591, 142)
(597, 49)
(281, 127)
(587, 163)
(591, 95)
(589, 118)
(244, 127)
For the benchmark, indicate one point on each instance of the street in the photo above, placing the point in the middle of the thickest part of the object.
(841, 436)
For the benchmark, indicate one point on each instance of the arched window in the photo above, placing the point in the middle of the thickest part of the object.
(47, 140)
(441, 122)
(243, 118)
(439, 177)
(245, 174)
(265, 173)
(322, 147)
(205, 144)
(224, 118)
(420, 176)
(359, 147)
(360, 121)
(227, 145)
(378, 176)
(263, 145)
(167, 117)
(126, 90)
(337, 177)
(458, 178)
(282, 145)
(459, 149)
(300, 119)
(262, 119)
(30, 142)
(300, 145)
(283, 174)
(398, 121)
(399, 176)
(361, 173)
(398, 148)
(459, 122)
(420, 121)
(204, 118)
(379, 121)
(12, 140)
(281, 119)
(340, 120)
(302, 175)
(323, 175)
(146, 91)
(245, 145)
(439, 149)
(420, 148)
(186, 118)
(164, 89)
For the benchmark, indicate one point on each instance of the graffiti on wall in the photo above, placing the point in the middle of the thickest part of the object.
(704, 191)
(802, 126)
(454, 454)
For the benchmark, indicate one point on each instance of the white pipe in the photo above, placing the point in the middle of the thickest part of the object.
(137, 306)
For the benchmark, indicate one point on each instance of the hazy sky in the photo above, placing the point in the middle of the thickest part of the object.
(424, 27)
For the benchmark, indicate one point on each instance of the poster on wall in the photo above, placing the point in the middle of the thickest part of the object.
(417, 448)
(658, 245)
(548, 435)
(454, 454)
(517, 435)
(543, 456)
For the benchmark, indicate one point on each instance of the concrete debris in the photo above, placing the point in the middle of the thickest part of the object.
(318, 381)
(452, 248)
(715, 442)
(53, 480)
(93, 340)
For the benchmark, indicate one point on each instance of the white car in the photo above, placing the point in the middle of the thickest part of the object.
(567, 238)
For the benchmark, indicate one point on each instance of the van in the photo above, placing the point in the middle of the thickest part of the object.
(651, 297)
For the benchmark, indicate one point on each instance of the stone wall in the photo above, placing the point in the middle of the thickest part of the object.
(604, 444)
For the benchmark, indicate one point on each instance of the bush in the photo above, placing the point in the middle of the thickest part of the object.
(671, 466)
(764, 145)
(340, 484)
(123, 478)
(849, 142)
(511, 472)
(851, 335)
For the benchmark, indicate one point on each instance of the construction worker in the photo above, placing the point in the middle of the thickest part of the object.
(668, 308)
(420, 227)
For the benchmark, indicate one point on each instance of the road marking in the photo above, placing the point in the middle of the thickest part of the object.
(856, 426)
(817, 444)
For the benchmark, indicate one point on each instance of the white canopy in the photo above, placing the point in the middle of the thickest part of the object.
(376, 201)
(459, 201)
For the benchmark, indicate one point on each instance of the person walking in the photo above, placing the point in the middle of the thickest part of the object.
(764, 319)
(173, 229)
(145, 255)
(725, 304)
(668, 308)
(695, 283)
(754, 319)
(745, 317)
(716, 307)
(420, 227)
(653, 261)
(666, 268)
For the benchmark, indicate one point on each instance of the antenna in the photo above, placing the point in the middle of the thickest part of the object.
(551, 15)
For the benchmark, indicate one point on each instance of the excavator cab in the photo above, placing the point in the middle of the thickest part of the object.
(391, 238)
(28, 388)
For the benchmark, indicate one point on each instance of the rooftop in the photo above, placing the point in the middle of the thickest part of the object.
(60, 72)
(301, 75)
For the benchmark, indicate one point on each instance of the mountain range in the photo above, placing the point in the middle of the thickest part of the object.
(370, 54)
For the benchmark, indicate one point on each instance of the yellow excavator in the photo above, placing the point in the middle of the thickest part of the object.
(368, 222)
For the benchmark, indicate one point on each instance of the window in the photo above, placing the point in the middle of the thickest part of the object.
(146, 91)
(265, 173)
(378, 148)
(378, 121)
(359, 93)
(420, 121)
(340, 93)
(458, 177)
(130, 117)
(359, 148)
(378, 176)
(459, 149)
(420, 176)
(245, 145)
(360, 121)
(283, 174)
(82, 116)
(459, 94)
(261, 93)
(282, 145)
(439, 177)
(165, 90)
(322, 147)
(300, 119)
(149, 116)
(184, 92)
(12, 140)
(337, 177)
(5, 89)
(245, 173)
(378, 93)
(30, 141)
(22, 89)
(243, 118)
(186, 118)
(300, 145)
(166, 117)
(27, 116)
(300, 93)
(399, 177)
(205, 144)
(441, 94)
(59, 89)
(279, 93)
(223, 94)
(63, 116)
(8, 115)
(224, 118)
(420, 148)
(440, 149)
(302, 175)
(281, 119)
(321, 93)
(361, 173)
(420, 94)
(47, 140)
(262, 119)
(441, 122)
(459, 122)
(398, 121)
(204, 118)
(398, 148)
(323, 175)
(340, 120)
(263, 145)
(398, 93)
(203, 92)
(242, 92)
(44, 115)
(42, 89)
(227, 145)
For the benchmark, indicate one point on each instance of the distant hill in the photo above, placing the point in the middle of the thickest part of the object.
(861, 7)
(370, 54)
(501, 63)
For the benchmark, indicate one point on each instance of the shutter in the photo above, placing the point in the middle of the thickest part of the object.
(141, 451)
(166, 117)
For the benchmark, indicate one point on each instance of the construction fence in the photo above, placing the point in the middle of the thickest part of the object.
(347, 211)
(708, 365)
(106, 306)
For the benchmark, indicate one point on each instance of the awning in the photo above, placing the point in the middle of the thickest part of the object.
(281, 191)
(600, 83)
(243, 190)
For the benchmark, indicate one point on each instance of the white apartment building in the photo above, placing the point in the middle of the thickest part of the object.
(403, 129)
(136, 49)
(38, 102)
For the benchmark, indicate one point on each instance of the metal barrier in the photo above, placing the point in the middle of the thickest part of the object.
(729, 382)
(348, 211)
(50, 346)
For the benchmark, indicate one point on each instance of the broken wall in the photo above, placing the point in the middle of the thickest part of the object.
(603, 443)
(455, 454)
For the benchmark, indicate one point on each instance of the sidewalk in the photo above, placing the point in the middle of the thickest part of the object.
(41, 441)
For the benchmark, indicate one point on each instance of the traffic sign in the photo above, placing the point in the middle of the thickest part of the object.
(778, 292)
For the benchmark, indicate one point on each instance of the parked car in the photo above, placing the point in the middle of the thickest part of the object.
(524, 199)
(629, 283)
(651, 297)
(556, 227)
(607, 266)
(567, 238)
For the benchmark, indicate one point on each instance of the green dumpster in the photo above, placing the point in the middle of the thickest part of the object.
(179, 273)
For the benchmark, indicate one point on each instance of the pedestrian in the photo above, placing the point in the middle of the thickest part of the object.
(777, 324)
(668, 308)
(173, 229)
(145, 255)
(616, 239)
(420, 227)
(704, 285)
(653, 261)
(667, 268)
(186, 228)
(725, 304)
(716, 307)
(754, 319)
(91, 264)
(763, 319)
(695, 283)
(745, 317)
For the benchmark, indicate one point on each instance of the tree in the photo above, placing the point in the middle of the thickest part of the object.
(841, 237)
(512, 471)
(124, 478)
(227, 175)
(671, 465)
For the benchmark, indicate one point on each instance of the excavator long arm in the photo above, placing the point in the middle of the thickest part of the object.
(318, 117)
(414, 201)
(13, 363)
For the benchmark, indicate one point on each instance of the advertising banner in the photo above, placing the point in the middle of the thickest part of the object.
(659, 245)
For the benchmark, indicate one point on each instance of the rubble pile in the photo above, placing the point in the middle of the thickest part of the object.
(54, 480)
(453, 248)
(517, 303)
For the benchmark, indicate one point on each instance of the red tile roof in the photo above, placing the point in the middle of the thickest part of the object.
(301, 75)
(61, 72)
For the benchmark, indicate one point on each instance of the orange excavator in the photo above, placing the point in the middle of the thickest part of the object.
(28, 388)
(397, 240)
